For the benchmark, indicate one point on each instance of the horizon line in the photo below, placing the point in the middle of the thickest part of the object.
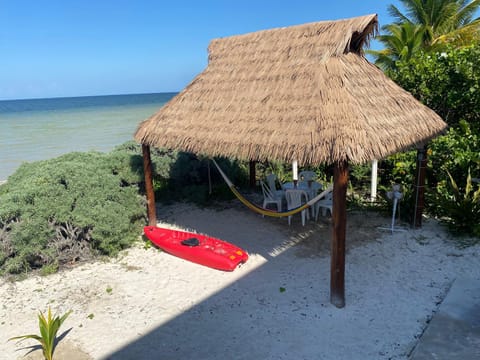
(85, 96)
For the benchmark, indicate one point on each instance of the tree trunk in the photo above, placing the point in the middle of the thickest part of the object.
(339, 219)
(147, 169)
(253, 174)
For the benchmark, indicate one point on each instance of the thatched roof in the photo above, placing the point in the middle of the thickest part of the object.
(303, 92)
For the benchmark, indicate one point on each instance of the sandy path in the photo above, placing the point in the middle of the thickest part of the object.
(147, 304)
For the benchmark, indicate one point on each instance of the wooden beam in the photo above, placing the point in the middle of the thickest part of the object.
(147, 170)
(419, 187)
(253, 174)
(339, 220)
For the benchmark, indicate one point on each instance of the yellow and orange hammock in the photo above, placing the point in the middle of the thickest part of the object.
(268, 212)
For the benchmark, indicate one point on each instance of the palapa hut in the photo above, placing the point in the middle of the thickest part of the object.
(304, 93)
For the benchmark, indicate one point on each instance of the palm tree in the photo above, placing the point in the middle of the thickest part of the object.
(439, 17)
(401, 42)
(426, 24)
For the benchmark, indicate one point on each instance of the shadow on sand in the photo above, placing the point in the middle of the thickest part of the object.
(274, 311)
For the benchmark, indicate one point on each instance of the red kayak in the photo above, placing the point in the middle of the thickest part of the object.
(197, 248)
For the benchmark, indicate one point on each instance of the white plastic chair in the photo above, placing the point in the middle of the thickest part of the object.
(272, 184)
(296, 198)
(325, 204)
(269, 197)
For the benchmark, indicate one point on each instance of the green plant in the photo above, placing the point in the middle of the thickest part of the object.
(147, 244)
(455, 152)
(49, 327)
(446, 81)
(398, 169)
(360, 177)
(426, 25)
(459, 207)
(49, 269)
(401, 42)
(188, 177)
(82, 205)
(69, 209)
(283, 171)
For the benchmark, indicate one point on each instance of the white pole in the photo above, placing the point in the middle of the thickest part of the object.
(373, 185)
(295, 170)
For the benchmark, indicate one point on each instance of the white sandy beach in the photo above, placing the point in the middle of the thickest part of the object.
(276, 306)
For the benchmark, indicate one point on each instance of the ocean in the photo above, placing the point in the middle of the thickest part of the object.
(39, 129)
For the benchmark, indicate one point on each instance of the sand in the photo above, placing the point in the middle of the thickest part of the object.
(147, 304)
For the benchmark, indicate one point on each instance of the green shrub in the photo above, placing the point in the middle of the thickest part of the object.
(360, 178)
(191, 177)
(282, 170)
(459, 206)
(457, 153)
(80, 205)
(68, 209)
(183, 176)
(398, 169)
(448, 82)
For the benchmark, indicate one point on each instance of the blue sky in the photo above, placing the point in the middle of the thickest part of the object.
(58, 48)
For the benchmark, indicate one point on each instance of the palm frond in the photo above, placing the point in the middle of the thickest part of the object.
(467, 11)
(395, 13)
(459, 37)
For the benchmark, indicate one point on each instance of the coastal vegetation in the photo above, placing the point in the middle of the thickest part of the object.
(427, 25)
(69, 209)
(432, 50)
(82, 205)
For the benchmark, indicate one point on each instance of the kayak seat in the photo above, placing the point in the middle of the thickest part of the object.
(191, 242)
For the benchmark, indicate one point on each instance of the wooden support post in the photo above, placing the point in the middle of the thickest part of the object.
(419, 187)
(147, 169)
(253, 174)
(339, 219)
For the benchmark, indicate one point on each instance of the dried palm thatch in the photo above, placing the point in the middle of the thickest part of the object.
(302, 92)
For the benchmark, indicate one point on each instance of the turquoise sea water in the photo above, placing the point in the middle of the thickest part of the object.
(39, 129)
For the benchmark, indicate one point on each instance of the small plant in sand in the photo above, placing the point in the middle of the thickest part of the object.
(49, 327)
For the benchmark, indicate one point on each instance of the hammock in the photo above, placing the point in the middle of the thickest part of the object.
(268, 212)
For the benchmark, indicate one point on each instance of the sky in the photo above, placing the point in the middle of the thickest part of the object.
(61, 48)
